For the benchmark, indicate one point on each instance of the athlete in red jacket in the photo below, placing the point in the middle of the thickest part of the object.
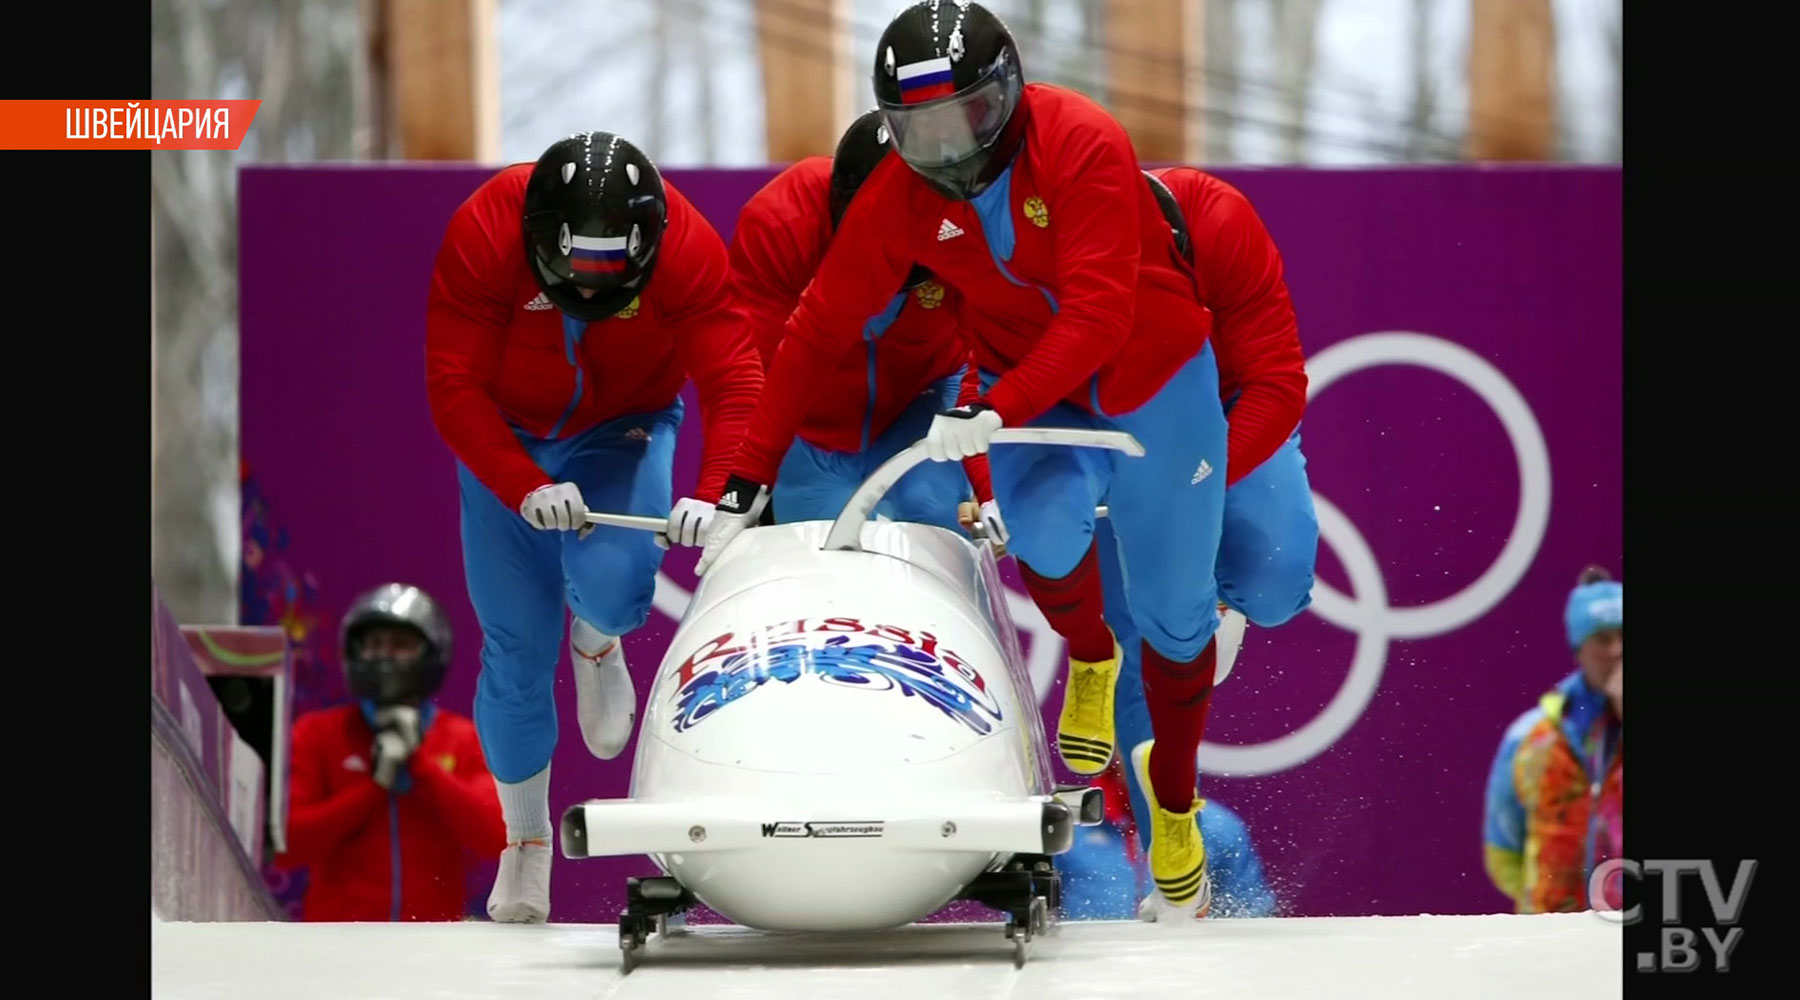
(1271, 532)
(570, 302)
(883, 396)
(1029, 201)
(389, 796)
(1270, 537)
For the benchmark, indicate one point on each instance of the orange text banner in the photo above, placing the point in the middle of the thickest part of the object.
(125, 124)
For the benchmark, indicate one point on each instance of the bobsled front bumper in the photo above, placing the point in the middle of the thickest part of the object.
(1038, 825)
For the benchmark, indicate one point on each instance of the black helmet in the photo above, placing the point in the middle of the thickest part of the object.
(384, 678)
(1171, 210)
(862, 146)
(948, 81)
(595, 212)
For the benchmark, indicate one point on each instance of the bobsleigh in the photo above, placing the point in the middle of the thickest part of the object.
(843, 736)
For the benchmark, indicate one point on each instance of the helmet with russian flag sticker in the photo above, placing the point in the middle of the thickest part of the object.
(595, 211)
(949, 86)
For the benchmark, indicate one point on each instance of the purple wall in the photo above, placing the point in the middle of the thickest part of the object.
(1513, 272)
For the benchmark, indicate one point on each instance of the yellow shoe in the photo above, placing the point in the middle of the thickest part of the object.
(1177, 853)
(1084, 734)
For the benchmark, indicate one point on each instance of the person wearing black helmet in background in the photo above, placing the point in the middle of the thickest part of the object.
(882, 397)
(570, 301)
(1082, 312)
(389, 795)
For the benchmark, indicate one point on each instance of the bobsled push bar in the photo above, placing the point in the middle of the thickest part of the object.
(846, 531)
(641, 522)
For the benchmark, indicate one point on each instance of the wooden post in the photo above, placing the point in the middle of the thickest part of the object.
(1512, 66)
(1151, 90)
(442, 69)
(799, 44)
(853, 72)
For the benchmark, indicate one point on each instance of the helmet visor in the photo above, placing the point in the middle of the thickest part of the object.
(951, 129)
(382, 640)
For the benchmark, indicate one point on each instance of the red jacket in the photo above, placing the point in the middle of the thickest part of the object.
(1094, 307)
(496, 357)
(781, 237)
(376, 855)
(1255, 335)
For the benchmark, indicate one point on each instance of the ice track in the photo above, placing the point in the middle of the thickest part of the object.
(1345, 958)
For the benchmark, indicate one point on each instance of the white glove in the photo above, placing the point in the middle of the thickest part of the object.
(556, 507)
(962, 432)
(401, 719)
(993, 529)
(397, 737)
(687, 523)
(740, 505)
(996, 528)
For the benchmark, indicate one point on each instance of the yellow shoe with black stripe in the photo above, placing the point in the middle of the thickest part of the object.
(1177, 853)
(1084, 733)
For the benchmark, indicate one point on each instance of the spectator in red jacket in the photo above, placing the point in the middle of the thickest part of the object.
(389, 796)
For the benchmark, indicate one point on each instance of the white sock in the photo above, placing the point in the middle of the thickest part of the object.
(588, 640)
(526, 807)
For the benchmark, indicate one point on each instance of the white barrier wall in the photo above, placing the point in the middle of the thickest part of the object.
(206, 801)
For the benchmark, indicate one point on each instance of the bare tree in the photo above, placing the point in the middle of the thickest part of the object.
(1613, 30)
(1424, 100)
(657, 96)
(1220, 47)
(699, 50)
(1296, 27)
(306, 63)
(1031, 34)
(1089, 62)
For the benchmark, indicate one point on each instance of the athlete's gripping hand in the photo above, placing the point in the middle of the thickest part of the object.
(557, 507)
(687, 523)
(959, 433)
(739, 506)
(969, 513)
(996, 527)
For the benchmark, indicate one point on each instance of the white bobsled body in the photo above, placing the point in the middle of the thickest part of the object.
(837, 740)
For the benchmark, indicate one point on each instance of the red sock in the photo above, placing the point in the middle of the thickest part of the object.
(1075, 607)
(1178, 695)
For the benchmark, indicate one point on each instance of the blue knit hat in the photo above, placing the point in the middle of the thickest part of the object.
(1597, 602)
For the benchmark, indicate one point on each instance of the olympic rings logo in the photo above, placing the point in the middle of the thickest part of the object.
(1367, 614)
